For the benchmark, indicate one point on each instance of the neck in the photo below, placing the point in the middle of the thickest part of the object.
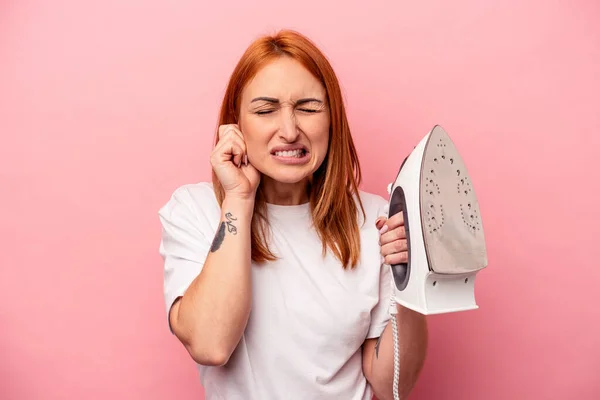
(285, 194)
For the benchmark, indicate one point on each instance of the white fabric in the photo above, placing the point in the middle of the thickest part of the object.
(309, 315)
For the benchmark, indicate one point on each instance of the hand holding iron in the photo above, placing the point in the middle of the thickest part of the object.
(394, 246)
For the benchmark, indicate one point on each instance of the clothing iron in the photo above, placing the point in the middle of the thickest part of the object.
(444, 231)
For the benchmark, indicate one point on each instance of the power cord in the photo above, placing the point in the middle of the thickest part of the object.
(393, 313)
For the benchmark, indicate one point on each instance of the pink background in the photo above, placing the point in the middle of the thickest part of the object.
(106, 107)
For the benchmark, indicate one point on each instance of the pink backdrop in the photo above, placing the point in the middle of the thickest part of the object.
(106, 107)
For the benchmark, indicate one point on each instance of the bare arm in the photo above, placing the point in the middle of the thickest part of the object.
(212, 314)
(378, 355)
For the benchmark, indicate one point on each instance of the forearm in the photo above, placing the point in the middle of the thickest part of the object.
(412, 338)
(213, 313)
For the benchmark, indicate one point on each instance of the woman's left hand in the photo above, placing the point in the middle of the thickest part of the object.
(392, 239)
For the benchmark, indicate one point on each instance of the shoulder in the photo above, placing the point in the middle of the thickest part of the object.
(374, 205)
(192, 200)
(371, 200)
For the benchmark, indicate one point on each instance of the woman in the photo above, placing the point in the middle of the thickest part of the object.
(273, 275)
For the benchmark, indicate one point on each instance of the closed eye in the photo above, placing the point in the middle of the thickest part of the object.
(311, 106)
(306, 110)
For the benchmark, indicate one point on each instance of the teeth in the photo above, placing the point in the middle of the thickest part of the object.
(289, 153)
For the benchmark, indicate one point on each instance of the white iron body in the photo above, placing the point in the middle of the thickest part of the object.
(444, 229)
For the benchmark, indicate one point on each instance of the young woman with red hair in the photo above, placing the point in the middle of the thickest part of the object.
(274, 280)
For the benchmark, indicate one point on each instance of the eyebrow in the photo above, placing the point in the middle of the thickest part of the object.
(276, 101)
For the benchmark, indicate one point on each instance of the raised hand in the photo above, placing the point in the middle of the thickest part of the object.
(229, 160)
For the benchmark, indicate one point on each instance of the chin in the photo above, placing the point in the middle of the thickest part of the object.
(290, 177)
(289, 174)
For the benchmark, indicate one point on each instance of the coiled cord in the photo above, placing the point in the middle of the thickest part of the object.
(393, 312)
(396, 348)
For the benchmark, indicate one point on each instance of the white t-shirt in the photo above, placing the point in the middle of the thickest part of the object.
(309, 316)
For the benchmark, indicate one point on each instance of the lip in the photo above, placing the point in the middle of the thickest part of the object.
(291, 160)
(289, 147)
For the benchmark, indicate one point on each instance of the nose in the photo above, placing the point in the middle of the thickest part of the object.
(288, 126)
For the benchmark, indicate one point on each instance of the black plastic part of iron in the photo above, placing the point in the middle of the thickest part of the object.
(400, 272)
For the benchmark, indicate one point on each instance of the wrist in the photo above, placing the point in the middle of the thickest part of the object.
(240, 205)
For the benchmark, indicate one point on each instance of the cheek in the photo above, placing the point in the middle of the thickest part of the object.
(255, 135)
(319, 135)
(322, 143)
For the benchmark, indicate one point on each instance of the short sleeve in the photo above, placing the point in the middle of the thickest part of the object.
(380, 314)
(184, 245)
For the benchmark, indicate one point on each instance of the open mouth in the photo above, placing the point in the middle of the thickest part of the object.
(298, 153)
(297, 156)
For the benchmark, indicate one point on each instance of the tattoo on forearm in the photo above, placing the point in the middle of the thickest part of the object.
(230, 227)
(220, 236)
(377, 347)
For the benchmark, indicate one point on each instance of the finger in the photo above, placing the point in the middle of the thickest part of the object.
(238, 154)
(396, 220)
(394, 234)
(222, 153)
(247, 167)
(397, 246)
(233, 133)
(227, 135)
(396, 258)
(230, 129)
(379, 222)
(224, 128)
(231, 136)
(232, 148)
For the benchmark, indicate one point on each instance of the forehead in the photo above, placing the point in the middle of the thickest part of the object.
(284, 79)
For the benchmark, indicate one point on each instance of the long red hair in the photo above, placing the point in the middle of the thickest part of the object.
(334, 187)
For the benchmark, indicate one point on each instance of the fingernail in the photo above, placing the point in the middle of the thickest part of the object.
(384, 229)
(246, 159)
